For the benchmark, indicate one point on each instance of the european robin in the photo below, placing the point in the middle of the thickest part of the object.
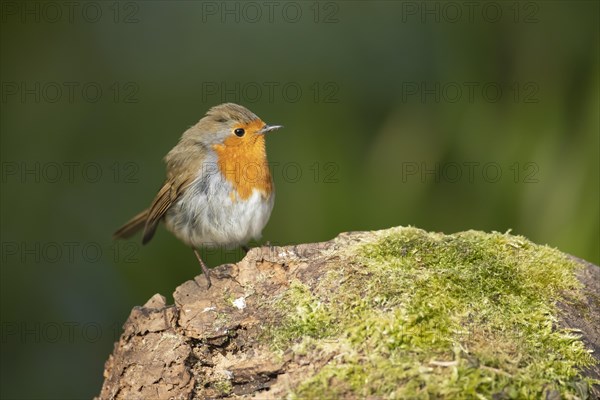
(218, 191)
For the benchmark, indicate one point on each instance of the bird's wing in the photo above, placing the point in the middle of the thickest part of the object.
(168, 195)
(183, 162)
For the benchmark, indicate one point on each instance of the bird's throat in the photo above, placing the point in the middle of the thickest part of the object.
(243, 162)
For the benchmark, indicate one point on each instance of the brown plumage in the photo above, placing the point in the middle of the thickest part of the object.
(203, 197)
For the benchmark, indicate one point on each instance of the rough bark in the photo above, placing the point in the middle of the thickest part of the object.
(208, 344)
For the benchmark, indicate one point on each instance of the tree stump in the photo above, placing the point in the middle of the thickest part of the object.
(386, 314)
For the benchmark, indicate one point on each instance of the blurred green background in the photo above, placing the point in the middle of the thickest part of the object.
(445, 116)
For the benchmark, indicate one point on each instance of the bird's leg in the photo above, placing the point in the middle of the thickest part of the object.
(204, 268)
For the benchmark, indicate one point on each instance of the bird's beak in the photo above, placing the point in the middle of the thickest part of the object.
(269, 128)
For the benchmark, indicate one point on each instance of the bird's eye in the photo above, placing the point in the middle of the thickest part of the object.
(239, 132)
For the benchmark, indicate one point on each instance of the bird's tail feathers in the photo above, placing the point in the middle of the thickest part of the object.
(132, 226)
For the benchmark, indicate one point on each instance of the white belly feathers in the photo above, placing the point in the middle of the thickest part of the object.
(208, 215)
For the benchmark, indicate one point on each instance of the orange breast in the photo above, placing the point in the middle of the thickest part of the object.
(243, 162)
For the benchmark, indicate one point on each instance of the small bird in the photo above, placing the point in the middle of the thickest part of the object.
(219, 190)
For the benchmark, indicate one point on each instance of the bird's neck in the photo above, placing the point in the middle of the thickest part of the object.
(244, 164)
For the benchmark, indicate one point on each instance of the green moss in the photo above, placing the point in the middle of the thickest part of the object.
(417, 314)
(224, 387)
(305, 316)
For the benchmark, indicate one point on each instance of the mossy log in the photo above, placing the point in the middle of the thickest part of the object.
(399, 313)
